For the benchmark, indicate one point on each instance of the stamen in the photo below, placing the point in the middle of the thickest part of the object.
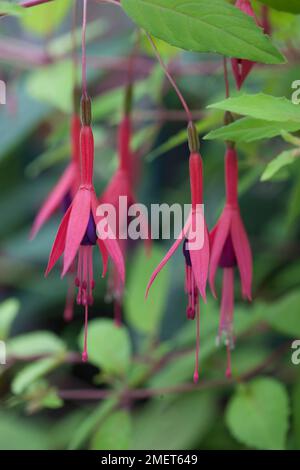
(228, 369)
(118, 313)
(85, 353)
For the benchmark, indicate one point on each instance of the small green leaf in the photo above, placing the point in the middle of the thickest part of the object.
(292, 6)
(281, 161)
(33, 372)
(261, 106)
(257, 415)
(145, 314)
(34, 344)
(249, 129)
(201, 25)
(83, 431)
(173, 423)
(109, 346)
(44, 19)
(114, 433)
(8, 312)
(51, 400)
(284, 315)
(9, 8)
(52, 84)
(296, 413)
(21, 434)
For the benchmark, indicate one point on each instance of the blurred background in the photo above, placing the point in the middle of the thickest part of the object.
(136, 392)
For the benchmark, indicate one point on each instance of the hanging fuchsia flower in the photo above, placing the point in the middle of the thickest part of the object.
(195, 239)
(121, 186)
(65, 189)
(77, 232)
(242, 67)
(230, 249)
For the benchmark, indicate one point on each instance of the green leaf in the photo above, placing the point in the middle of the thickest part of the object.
(53, 85)
(34, 344)
(281, 161)
(257, 415)
(82, 432)
(63, 44)
(114, 433)
(8, 312)
(145, 315)
(21, 434)
(291, 6)
(44, 19)
(261, 106)
(249, 129)
(296, 413)
(284, 315)
(109, 346)
(9, 8)
(172, 424)
(201, 25)
(33, 372)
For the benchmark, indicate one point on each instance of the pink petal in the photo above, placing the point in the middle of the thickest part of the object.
(243, 253)
(200, 264)
(227, 305)
(104, 256)
(109, 246)
(54, 199)
(170, 253)
(80, 213)
(59, 242)
(220, 235)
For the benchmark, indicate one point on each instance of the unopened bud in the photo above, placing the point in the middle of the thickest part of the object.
(86, 110)
(193, 138)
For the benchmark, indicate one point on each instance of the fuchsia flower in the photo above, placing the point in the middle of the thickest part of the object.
(121, 185)
(230, 248)
(242, 67)
(67, 185)
(196, 258)
(77, 232)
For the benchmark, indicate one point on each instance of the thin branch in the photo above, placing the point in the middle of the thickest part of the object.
(141, 394)
(33, 3)
(170, 78)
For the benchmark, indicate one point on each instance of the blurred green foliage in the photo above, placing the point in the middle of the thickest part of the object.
(136, 392)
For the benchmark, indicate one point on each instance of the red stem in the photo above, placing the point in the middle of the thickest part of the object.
(33, 3)
(84, 79)
(170, 78)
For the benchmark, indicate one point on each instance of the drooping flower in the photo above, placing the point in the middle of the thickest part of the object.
(195, 240)
(66, 187)
(122, 186)
(230, 249)
(77, 232)
(61, 197)
(242, 67)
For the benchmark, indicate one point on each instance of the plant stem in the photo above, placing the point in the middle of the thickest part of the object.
(227, 88)
(33, 3)
(84, 79)
(141, 394)
(170, 78)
